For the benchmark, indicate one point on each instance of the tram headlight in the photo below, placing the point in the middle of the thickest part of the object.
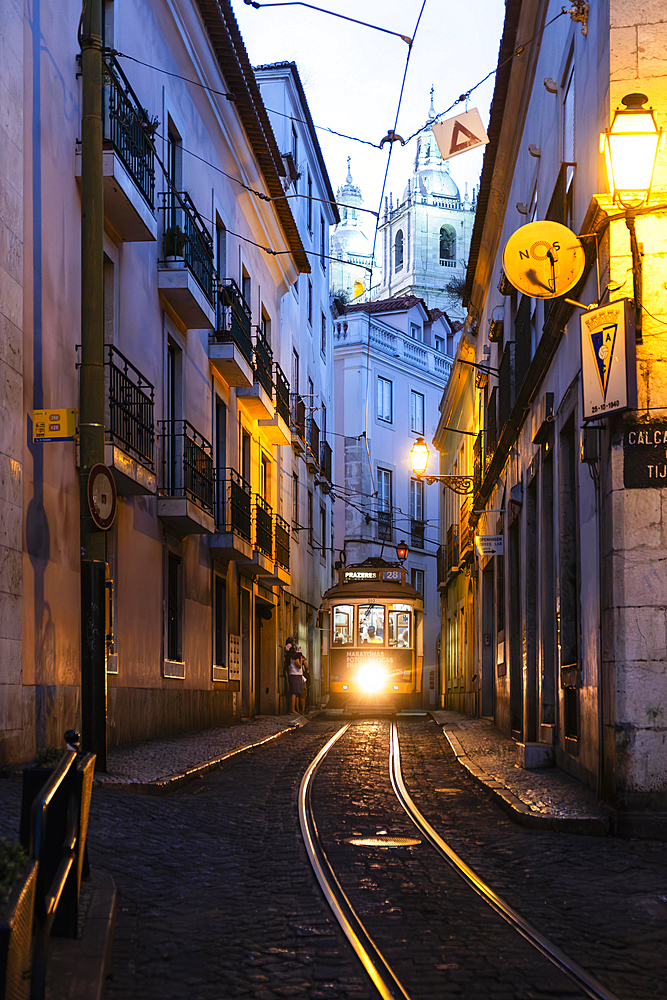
(371, 677)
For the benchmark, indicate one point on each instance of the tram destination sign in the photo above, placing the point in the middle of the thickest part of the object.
(366, 575)
(645, 455)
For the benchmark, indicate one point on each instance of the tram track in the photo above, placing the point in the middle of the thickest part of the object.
(381, 973)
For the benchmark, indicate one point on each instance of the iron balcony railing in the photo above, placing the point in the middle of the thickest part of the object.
(187, 464)
(233, 504)
(478, 462)
(465, 534)
(299, 416)
(125, 125)
(385, 525)
(282, 541)
(130, 397)
(263, 365)
(440, 560)
(233, 318)
(416, 533)
(452, 547)
(281, 386)
(314, 439)
(325, 461)
(185, 236)
(263, 526)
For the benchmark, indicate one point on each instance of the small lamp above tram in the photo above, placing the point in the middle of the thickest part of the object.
(402, 551)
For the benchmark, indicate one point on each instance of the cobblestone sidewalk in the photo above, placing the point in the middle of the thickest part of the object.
(161, 765)
(545, 798)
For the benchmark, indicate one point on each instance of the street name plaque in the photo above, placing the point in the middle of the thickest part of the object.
(645, 455)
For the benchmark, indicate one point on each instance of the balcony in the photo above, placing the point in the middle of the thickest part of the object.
(313, 446)
(187, 494)
(385, 525)
(417, 533)
(233, 516)
(127, 161)
(230, 344)
(442, 573)
(325, 460)
(257, 399)
(281, 535)
(185, 272)
(130, 435)
(478, 462)
(261, 563)
(465, 535)
(277, 430)
(298, 424)
(452, 554)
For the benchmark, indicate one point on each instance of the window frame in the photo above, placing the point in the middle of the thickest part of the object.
(414, 396)
(382, 382)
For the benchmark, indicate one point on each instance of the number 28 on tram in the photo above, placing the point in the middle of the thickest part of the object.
(373, 644)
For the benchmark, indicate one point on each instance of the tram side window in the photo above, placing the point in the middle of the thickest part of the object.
(371, 624)
(399, 628)
(343, 624)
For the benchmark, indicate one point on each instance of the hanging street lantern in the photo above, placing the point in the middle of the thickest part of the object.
(631, 147)
(419, 456)
(402, 551)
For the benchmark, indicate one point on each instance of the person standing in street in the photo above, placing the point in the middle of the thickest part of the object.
(296, 681)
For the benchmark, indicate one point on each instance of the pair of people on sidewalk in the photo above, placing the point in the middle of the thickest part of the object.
(297, 675)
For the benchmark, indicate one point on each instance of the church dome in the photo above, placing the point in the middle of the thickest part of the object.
(431, 173)
(348, 237)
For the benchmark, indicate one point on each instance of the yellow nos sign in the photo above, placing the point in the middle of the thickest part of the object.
(54, 425)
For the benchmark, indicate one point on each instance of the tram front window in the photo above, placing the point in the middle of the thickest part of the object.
(343, 624)
(371, 624)
(400, 619)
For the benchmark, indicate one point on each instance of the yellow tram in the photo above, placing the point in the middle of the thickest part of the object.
(373, 645)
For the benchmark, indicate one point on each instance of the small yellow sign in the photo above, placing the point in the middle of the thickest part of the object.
(54, 425)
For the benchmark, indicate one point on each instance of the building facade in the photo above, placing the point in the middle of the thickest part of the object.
(198, 347)
(568, 605)
(424, 237)
(305, 468)
(390, 368)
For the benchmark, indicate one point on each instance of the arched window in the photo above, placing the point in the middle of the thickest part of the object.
(398, 250)
(447, 244)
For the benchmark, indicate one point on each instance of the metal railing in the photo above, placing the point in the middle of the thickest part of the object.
(233, 503)
(187, 464)
(130, 398)
(417, 533)
(263, 526)
(478, 462)
(125, 122)
(452, 547)
(465, 534)
(185, 236)
(281, 386)
(325, 460)
(385, 525)
(233, 318)
(263, 365)
(299, 416)
(314, 439)
(57, 843)
(282, 541)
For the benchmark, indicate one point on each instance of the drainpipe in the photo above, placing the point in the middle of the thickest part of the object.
(91, 387)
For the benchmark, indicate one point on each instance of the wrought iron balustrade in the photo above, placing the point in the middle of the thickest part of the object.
(263, 526)
(263, 365)
(385, 525)
(187, 464)
(282, 542)
(465, 534)
(417, 533)
(314, 439)
(233, 503)
(125, 124)
(185, 235)
(233, 318)
(452, 547)
(281, 386)
(478, 462)
(130, 398)
(299, 416)
(325, 460)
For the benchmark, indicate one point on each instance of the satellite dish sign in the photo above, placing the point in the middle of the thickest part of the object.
(543, 260)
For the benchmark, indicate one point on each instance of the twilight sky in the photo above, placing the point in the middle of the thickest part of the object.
(352, 75)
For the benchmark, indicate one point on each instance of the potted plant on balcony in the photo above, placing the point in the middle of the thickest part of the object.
(18, 878)
(174, 244)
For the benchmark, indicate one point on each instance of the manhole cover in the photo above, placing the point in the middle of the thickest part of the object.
(385, 841)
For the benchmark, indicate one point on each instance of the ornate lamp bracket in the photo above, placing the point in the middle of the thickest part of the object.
(458, 484)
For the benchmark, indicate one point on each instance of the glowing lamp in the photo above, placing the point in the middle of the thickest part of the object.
(402, 551)
(419, 455)
(631, 147)
(371, 678)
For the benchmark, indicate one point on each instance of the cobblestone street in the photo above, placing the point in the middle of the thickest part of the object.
(216, 897)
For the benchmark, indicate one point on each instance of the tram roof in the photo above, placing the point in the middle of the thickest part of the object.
(373, 584)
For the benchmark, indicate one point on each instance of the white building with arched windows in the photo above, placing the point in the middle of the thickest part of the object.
(424, 237)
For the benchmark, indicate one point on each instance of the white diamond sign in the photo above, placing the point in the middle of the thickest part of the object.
(459, 134)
